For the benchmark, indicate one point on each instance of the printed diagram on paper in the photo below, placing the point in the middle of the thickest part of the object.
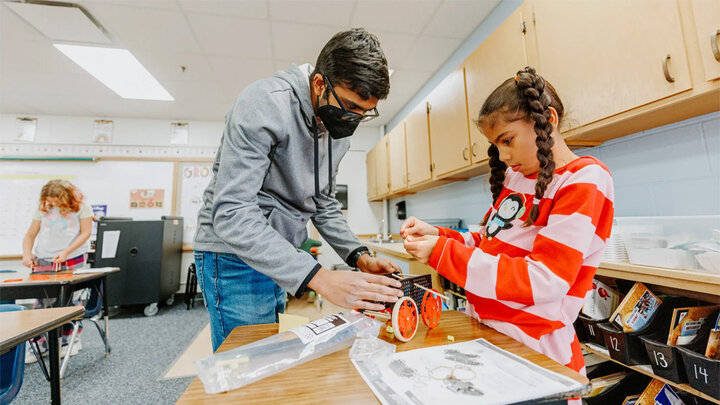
(475, 372)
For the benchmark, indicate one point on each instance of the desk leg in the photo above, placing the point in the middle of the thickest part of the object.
(54, 366)
(106, 310)
(63, 296)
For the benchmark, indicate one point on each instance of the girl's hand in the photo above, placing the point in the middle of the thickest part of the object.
(60, 257)
(415, 227)
(421, 247)
(28, 261)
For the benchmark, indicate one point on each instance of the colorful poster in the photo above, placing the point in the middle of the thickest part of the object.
(147, 198)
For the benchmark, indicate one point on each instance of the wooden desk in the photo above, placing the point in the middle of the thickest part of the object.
(333, 379)
(19, 326)
(60, 285)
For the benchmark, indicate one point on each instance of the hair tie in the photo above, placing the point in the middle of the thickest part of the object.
(517, 79)
(536, 201)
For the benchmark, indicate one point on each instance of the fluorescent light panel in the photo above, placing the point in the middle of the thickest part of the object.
(118, 69)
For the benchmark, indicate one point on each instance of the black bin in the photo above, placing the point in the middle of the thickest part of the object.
(665, 360)
(626, 347)
(703, 373)
(633, 384)
(591, 331)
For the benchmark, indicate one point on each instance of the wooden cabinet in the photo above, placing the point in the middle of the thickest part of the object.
(707, 28)
(417, 141)
(498, 58)
(371, 168)
(607, 57)
(397, 158)
(448, 122)
(381, 167)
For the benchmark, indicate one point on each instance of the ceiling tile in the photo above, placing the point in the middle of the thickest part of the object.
(429, 53)
(235, 8)
(299, 42)
(234, 73)
(18, 57)
(13, 26)
(459, 18)
(396, 47)
(157, 4)
(394, 15)
(408, 81)
(334, 13)
(136, 28)
(231, 36)
(168, 66)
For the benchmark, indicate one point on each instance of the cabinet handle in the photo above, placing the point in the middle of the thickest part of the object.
(714, 44)
(465, 153)
(472, 149)
(666, 70)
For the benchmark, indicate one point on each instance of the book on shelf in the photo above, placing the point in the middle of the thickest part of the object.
(631, 400)
(712, 350)
(686, 322)
(636, 309)
(659, 393)
(604, 383)
(600, 301)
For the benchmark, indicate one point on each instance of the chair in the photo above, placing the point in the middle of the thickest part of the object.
(93, 313)
(12, 365)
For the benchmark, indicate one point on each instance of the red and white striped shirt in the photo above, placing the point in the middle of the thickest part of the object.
(530, 282)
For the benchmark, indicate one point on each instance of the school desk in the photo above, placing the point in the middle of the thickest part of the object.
(22, 284)
(334, 380)
(19, 326)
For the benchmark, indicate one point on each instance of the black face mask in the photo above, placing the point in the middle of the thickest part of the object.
(331, 117)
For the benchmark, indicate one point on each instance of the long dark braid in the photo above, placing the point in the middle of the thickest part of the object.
(532, 87)
(497, 172)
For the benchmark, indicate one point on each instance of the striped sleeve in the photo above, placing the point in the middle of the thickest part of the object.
(467, 238)
(579, 222)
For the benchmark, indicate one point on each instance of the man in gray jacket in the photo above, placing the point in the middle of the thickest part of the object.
(284, 138)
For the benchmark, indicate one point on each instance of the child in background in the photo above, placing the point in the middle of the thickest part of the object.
(527, 271)
(62, 225)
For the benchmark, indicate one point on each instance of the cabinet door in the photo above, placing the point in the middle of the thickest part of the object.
(498, 58)
(448, 118)
(397, 158)
(606, 57)
(371, 169)
(418, 145)
(707, 26)
(381, 167)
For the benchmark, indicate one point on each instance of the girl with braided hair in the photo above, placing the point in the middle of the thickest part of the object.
(527, 271)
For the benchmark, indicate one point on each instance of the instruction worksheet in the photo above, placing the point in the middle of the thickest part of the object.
(474, 372)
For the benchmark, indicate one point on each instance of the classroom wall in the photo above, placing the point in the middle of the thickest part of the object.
(126, 131)
(670, 170)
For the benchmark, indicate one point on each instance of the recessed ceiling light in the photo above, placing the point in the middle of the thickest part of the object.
(118, 69)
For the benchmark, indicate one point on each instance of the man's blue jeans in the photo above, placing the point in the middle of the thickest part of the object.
(236, 294)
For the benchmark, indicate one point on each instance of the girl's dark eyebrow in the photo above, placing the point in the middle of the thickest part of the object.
(500, 136)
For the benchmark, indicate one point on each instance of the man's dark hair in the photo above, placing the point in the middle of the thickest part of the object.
(355, 60)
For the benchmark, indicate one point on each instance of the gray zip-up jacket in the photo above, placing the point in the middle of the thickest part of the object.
(262, 192)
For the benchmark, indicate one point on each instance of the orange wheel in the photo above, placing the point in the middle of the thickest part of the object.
(431, 309)
(405, 319)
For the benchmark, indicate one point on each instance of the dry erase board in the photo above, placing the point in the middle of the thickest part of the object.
(192, 179)
(102, 182)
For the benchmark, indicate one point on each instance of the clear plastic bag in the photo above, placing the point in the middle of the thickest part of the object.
(252, 362)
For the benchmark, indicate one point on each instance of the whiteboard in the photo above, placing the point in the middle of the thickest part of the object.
(102, 182)
(193, 179)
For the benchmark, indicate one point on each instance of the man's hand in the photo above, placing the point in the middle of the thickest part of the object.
(352, 289)
(415, 227)
(377, 265)
(421, 247)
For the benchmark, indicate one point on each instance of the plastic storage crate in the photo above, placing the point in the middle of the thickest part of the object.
(691, 242)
